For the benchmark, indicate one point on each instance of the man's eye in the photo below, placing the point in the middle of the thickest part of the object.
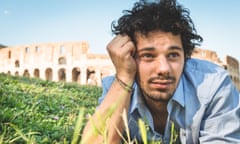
(173, 55)
(146, 56)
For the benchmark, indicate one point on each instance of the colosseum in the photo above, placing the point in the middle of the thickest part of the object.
(72, 62)
(67, 61)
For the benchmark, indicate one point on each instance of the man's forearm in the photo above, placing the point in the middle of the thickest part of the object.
(108, 116)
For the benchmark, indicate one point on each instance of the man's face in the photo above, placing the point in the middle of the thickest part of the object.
(160, 60)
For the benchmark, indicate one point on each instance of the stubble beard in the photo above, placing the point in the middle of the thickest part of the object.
(159, 95)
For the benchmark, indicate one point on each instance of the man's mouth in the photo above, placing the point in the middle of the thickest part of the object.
(161, 84)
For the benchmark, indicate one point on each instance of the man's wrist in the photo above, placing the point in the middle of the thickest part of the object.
(126, 86)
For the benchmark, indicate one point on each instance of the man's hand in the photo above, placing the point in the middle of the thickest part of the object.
(121, 50)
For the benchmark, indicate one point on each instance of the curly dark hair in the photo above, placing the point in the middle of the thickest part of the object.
(164, 15)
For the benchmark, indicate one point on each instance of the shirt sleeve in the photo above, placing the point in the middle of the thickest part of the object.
(106, 84)
(221, 122)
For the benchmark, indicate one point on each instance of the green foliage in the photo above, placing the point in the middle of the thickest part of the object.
(38, 111)
(34, 111)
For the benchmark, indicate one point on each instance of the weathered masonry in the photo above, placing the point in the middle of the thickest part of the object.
(69, 61)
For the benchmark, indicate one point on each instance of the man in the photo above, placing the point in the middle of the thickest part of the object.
(158, 82)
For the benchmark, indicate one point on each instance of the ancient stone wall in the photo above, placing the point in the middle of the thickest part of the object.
(69, 61)
(233, 69)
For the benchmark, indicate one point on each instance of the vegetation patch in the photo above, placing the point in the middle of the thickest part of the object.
(38, 111)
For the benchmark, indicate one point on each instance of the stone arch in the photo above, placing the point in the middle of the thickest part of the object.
(37, 49)
(36, 73)
(91, 76)
(76, 74)
(26, 49)
(16, 73)
(17, 64)
(9, 54)
(9, 72)
(62, 74)
(48, 74)
(62, 60)
(26, 73)
(62, 49)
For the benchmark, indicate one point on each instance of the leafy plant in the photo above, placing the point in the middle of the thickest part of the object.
(35, 111)
(38, 111)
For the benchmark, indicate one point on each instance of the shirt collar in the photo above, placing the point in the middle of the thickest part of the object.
(137, 101)
(179, 94)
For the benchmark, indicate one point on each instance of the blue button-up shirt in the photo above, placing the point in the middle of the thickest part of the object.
(205, 107)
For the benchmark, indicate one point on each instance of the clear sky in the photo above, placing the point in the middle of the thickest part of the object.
(43, 21)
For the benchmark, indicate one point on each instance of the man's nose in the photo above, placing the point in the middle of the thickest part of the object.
(162, 66)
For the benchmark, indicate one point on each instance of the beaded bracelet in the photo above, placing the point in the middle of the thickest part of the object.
(124, 85)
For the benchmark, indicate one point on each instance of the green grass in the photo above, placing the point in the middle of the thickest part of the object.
(34, 111)
(37, 111)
